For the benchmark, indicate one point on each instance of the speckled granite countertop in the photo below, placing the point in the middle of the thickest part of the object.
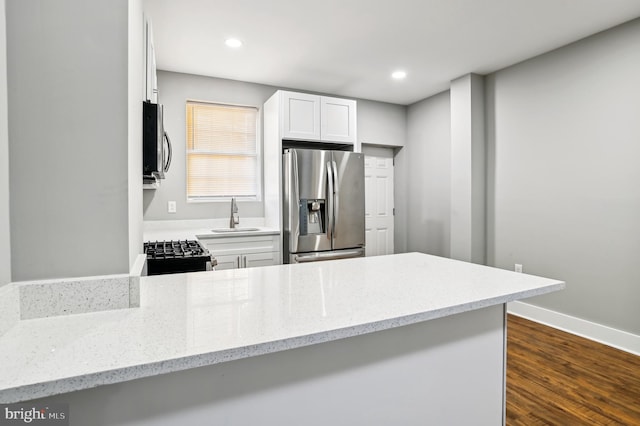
(190, 320)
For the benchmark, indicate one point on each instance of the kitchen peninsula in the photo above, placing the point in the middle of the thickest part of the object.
(403, 339)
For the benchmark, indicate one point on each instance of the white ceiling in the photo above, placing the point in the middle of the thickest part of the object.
(350, 47)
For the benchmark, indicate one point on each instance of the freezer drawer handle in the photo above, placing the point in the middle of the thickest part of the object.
(327, 256)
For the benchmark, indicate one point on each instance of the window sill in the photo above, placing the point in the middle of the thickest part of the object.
(223, 200)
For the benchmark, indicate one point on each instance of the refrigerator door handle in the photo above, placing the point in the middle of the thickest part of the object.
(294, 175)
(315, 257)
(294, 198)
(336, 197)
(330, 199)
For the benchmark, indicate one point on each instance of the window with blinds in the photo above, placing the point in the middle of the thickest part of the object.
(222, 152)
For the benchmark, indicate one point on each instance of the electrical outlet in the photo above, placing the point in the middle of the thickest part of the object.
(518, 268)
(171, 206)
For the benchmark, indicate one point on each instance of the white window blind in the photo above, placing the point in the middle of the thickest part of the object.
(222, 151)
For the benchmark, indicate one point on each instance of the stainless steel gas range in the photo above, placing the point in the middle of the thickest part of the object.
(172, 257)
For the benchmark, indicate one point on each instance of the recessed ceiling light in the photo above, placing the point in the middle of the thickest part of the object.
(398, 75)
(233, 42)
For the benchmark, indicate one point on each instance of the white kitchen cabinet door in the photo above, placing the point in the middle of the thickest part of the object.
(151, 77)
(228, 261)
(337, 120)
(300, 116)
(378, 184)
(261, 259)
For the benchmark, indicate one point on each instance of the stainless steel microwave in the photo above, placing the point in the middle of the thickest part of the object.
(155, 159)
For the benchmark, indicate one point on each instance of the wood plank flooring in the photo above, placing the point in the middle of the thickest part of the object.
(556, 378)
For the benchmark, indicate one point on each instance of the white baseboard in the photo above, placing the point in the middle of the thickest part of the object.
(606, 335)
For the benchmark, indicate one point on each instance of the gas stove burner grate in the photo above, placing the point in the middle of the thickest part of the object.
(174, 249)
(170, 257)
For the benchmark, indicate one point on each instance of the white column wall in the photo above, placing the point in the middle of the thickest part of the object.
(68, 134)
(423, 191)
(136, 94)
(468, 168)
(5, 228)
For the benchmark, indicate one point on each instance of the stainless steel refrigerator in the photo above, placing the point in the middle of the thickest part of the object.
(323, 205)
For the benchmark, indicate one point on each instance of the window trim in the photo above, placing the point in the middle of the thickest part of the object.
(259, 156)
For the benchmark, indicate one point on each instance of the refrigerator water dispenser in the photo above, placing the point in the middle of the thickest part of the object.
(312, 217)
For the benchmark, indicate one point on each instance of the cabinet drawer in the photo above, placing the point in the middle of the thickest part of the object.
(241, 245)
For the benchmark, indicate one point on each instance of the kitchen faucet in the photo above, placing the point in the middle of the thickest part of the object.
(234, 219)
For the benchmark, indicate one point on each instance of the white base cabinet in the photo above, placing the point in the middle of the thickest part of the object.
(248, 260)
(244, 252)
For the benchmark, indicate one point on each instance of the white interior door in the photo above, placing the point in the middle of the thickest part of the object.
(378, 184)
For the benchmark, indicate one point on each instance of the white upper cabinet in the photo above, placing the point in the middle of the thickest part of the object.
(337, 119)
(151, 78)
(300, 116)
(318, 118)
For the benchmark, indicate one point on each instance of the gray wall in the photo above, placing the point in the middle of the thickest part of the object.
(5, 229)
(136, 92)
(423, 189)
(174, 89)
(381, 123)
(378, 123)
(564, 174)
(67, 91)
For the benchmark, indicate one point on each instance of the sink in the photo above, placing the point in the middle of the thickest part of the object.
(221, 230)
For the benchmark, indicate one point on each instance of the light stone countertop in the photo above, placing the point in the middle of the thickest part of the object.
(165, 230)
(202, 318)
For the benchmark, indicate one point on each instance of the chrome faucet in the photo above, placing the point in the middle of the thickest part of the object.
(234, 219)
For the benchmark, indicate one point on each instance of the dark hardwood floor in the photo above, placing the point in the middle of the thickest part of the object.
(556, 378)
